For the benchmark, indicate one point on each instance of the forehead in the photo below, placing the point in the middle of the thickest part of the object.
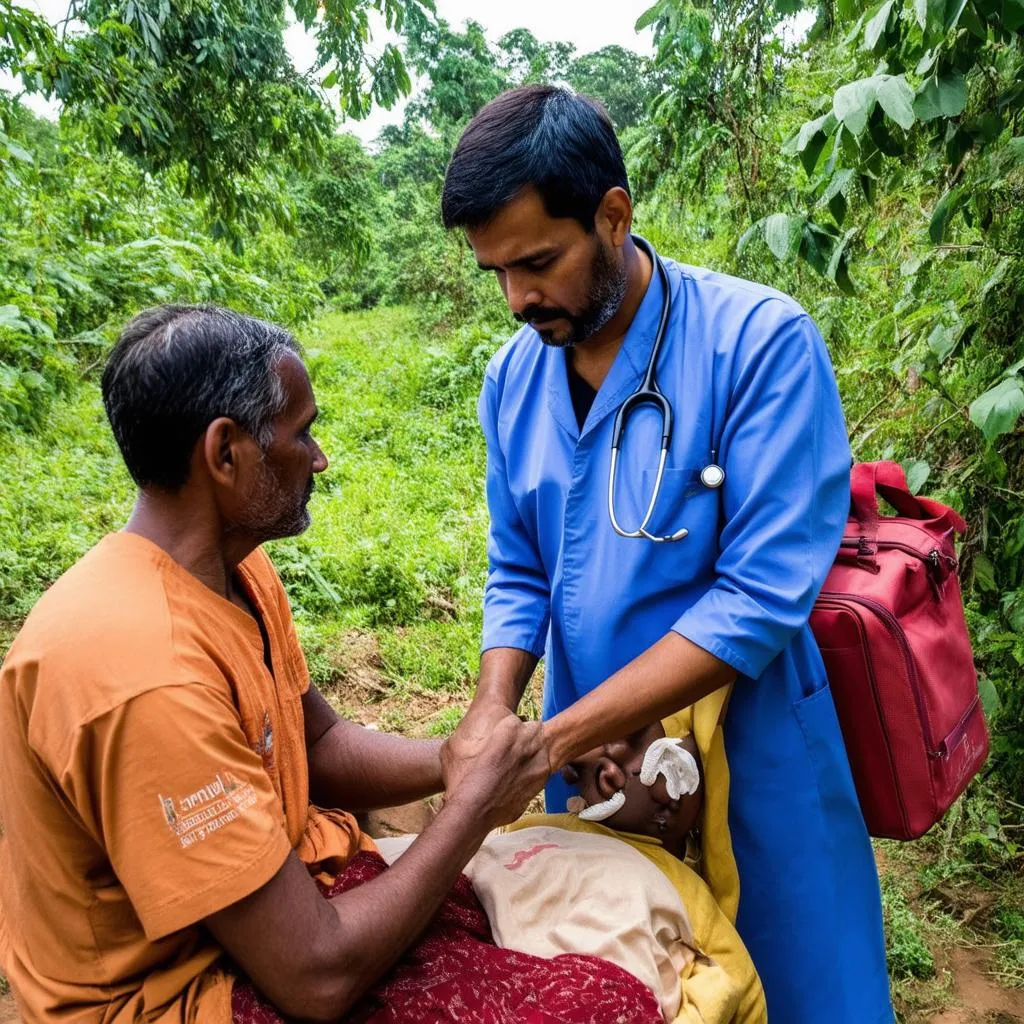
(521, 228)
(298, 390)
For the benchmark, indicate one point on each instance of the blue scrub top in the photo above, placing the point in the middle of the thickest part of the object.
(750, 380)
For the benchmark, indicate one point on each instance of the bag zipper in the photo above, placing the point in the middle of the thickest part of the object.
(934, 559)
(896, 630)
(934, 556)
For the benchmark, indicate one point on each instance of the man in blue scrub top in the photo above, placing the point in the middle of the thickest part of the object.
(631, 630)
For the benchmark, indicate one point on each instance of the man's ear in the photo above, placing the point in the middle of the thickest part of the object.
(222, 450)
(614, 216)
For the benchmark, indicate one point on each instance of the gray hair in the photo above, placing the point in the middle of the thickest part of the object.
(177, 368)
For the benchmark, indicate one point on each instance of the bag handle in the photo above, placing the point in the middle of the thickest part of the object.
(869, 480)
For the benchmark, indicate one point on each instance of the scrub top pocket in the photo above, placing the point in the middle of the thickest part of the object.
(683, 502)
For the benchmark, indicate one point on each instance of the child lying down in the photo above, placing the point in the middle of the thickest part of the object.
(609, 880)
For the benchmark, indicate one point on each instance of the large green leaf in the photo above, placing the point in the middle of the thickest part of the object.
(853, 103)
(954, 8)
(810, 140)
(1013, 15)
(10, 317)
(942, 340)
(917, 475)
(997, 410)
(782, 235)
(938, 16)
(835, 193)
(941, 97)
(897, 99)
(748, 236)
(875, 28)
(944, 210)
(990, 701)
(838, 269)
(650, 16)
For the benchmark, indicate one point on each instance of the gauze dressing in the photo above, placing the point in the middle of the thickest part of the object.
(599, 812)
(667, 756)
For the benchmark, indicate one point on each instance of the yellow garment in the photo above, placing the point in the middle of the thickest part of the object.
(717, 865)
(706, 996)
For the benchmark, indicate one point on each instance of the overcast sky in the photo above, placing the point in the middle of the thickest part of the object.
(589, 24)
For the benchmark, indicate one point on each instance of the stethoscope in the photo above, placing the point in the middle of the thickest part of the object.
(711, 476)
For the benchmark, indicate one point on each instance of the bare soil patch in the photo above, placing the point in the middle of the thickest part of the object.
(362, 691)
(8, 1009)
(984, 1002)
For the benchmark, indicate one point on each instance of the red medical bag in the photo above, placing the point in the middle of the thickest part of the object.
(890, 625)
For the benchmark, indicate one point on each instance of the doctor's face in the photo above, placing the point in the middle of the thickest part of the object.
(562, 280)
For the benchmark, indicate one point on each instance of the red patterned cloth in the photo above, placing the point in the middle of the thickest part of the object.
(455, 973)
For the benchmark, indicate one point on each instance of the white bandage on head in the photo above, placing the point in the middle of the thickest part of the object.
(668, 757)
(599, 812)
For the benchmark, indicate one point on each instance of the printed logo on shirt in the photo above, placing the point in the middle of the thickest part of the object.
(194, 817)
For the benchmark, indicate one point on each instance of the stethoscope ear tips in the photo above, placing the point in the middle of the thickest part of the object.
(712, 476)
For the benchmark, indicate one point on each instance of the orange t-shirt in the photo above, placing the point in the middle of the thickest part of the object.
(152, 772)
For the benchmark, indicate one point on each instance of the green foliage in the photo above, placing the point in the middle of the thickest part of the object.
(397, 545)
(338, 212)
(907, 951)
(1008, 924)
(445, 722)
(85, 244)
(624, 81)
(884, 157)
(208, 88)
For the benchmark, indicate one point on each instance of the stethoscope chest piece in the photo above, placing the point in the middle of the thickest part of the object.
(712, 476)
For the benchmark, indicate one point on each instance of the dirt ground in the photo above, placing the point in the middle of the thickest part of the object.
(980, 1000)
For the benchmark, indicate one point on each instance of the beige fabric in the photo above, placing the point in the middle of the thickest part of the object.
(718, 986)
(549, 891)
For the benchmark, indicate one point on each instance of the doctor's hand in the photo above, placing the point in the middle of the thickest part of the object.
(495, 763)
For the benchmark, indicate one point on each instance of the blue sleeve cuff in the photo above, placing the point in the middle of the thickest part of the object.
(735, 629)
(533, 642)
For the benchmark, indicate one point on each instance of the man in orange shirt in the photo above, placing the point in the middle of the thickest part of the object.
(160, 742)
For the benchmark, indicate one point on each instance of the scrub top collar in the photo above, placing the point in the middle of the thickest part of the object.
(626, 370)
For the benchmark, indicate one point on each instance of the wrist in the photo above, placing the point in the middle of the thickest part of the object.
(465, 814)
(556, 744)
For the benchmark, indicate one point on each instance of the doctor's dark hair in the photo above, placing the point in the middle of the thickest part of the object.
(543, 136)
(175, 369)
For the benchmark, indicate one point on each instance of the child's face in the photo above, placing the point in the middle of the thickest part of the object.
(648, 810)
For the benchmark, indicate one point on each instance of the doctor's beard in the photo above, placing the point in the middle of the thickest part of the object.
(605, 293)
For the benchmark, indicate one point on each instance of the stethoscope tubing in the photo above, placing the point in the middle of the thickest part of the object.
(649, 393)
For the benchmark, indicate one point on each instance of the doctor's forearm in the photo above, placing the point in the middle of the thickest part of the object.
(504, 675)
(670, 675)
